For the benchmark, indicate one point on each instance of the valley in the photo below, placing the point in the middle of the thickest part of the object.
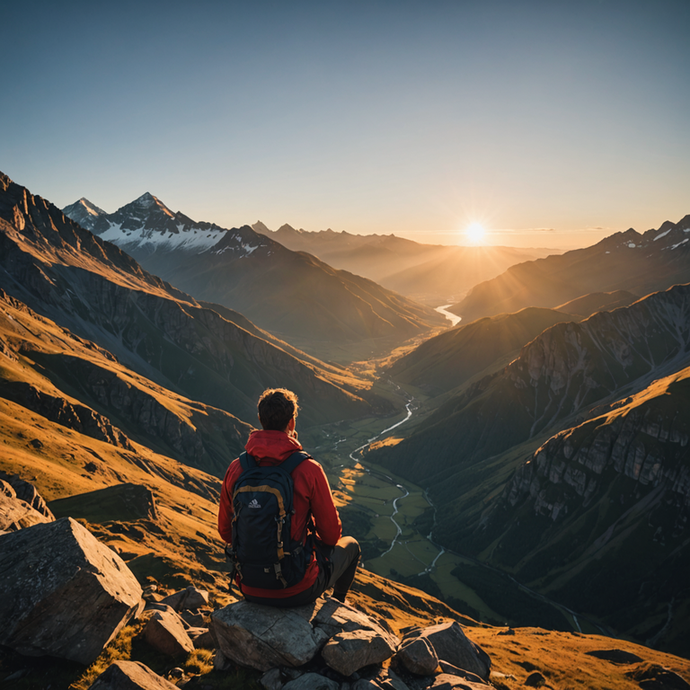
(520, 469)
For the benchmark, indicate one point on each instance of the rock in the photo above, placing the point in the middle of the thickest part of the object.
(64, 593)
(15, 513)
(130, 675)
(196, 620)
(452, 645)
(166, 633)
(221, 662)
(445, 681)
(455, 671)
(204, 641)
(312, 681)
(418, 656)
(535, 680)
(347, 652)
(333, 616)
(187, 599)
(364, 684)
(27, 492)
(262, 637)
(272, 679)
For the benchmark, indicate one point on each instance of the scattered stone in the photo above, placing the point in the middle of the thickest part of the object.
(535, 680)
(616, 656)
(312, 681)
(347, 652)
(196, 620)
(27, 492)
(187, 599)
(263, 637)
(64, 593)
(166, 633)
(363, 684)
(509, 631)
(272, 679)
(418, 656)
(130, 675)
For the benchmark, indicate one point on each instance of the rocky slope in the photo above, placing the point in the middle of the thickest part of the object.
(291, 294)
(638, 263)
(97, 291)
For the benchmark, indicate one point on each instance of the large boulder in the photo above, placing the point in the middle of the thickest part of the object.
(130, 675)
(452, 645)
(15, 513)
(262, 637)
(64, 593)
(187, 599)
(27, 492)
(418, 656)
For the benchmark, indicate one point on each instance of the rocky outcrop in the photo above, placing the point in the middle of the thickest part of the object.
(130, 675)
(28, 493)
(61, 411)
(64, 593)
(15, 513)
(292, 645)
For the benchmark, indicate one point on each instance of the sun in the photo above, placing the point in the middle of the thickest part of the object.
(475, 233)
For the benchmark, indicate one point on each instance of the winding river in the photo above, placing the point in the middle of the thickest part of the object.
(356, 456)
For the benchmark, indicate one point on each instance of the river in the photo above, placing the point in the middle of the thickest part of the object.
(410, 407)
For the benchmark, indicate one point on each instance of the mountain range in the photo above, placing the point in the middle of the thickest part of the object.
(568, 462)
(638, 263)
(432, 274)
(293, 295)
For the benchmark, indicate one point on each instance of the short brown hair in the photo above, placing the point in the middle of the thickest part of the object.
(277, 406)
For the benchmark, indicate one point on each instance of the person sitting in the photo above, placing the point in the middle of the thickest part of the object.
(331, 560)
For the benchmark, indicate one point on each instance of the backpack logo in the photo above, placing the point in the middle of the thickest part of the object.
(254, 504)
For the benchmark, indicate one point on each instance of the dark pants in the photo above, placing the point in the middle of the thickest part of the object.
(337, 567)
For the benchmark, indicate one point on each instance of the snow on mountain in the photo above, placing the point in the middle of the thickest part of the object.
(147, 224)
(84, 212)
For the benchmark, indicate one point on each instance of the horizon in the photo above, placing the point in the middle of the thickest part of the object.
(550, 126)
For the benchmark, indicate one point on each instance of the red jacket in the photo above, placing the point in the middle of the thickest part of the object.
(312, 495)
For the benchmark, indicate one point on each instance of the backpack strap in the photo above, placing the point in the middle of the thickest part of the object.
(295, 459)
(247, 461)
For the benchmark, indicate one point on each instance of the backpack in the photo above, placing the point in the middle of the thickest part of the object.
(263, 551)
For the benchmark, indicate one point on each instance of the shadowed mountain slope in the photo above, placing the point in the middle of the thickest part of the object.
(451, 358)
(640, 264)
(598, 301)
(292, 294)
(569, 468)
(97, 291)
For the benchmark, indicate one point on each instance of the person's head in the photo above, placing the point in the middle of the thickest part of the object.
(277, 408)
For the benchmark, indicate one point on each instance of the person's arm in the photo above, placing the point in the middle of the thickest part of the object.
(325, 514)
(225, 511)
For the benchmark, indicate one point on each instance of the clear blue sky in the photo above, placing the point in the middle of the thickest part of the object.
(552, 123)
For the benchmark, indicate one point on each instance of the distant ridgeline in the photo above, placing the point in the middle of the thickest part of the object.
(567, 462)
(291, 294)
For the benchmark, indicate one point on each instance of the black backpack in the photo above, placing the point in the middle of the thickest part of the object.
(263, 551)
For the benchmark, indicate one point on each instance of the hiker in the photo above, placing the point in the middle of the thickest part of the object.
(318, 557)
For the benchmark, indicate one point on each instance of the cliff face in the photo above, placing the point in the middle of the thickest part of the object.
(598, 515)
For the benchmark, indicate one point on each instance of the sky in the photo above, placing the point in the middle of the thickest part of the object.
(549, 124)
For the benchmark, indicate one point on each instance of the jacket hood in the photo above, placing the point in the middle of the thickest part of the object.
(271, 446)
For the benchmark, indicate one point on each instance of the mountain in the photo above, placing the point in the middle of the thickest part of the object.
(622, 368)
(84, 212)
(640, 264)
(96, 291)
(598, 301)
(432, 274)
(597, 516)
(448, 360)
(293, 295)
